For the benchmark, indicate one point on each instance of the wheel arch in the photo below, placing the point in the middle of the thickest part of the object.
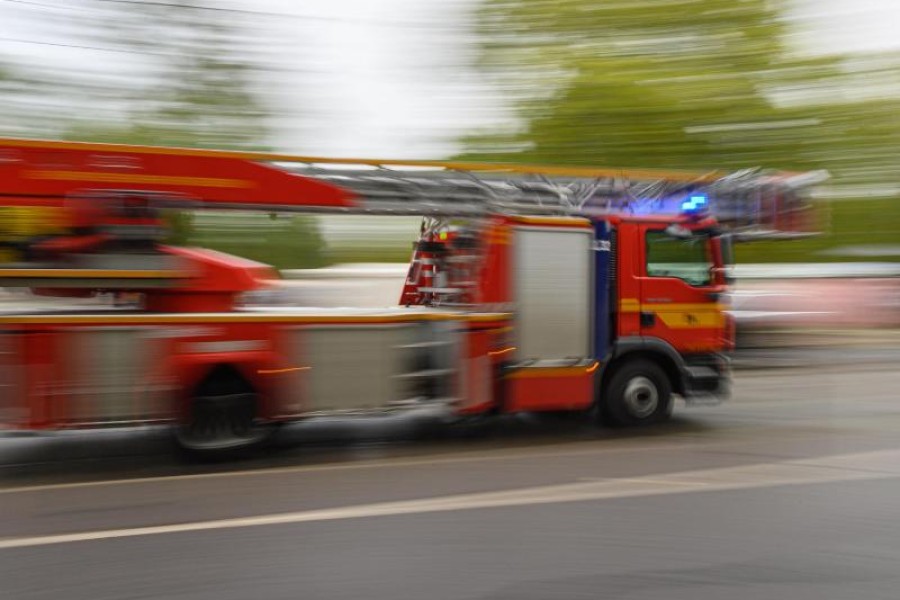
(221, 378)
(657, 351)
(220, 417)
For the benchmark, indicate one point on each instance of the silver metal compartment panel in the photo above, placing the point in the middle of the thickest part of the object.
(553, 278)
(355, 367)
(113, 375)
(12, 402)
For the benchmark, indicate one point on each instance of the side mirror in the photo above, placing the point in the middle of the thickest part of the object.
(725, 272)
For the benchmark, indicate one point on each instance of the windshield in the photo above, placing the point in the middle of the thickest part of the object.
(687, 259)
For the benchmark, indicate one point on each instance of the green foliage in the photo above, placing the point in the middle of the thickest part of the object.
(22, 113)
(698, 84)
(181, 227)
(848, 224)
(650, 84)
(202, 97)
(202, 94)
(695, 84)
(285, 242)
(361, 253)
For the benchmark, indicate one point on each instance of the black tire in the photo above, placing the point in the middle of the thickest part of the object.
(223, 420)
(222, 427)
(638, 393)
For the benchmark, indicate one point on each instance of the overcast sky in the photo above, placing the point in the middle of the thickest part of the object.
(390, 78)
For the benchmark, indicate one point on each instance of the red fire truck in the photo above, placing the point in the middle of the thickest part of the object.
(529, 289)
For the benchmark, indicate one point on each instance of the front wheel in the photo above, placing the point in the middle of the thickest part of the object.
(638, 393)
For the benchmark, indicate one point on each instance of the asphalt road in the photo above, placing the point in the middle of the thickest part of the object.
(791, 490)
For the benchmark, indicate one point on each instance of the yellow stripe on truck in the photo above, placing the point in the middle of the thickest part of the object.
(629, 305)
(528, 372)
(699, 315)
(691, 319)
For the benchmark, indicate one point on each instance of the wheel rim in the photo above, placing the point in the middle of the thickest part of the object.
(641, 397)
(226, 422)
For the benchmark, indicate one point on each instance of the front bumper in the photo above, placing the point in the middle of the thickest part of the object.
(706, 379)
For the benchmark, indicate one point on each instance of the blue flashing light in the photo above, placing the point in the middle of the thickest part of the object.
(694, 203)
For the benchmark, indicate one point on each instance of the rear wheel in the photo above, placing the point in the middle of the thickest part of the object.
(220, 423)
(638, 393)
(223, 416)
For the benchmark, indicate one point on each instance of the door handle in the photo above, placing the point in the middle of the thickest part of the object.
(648, 319)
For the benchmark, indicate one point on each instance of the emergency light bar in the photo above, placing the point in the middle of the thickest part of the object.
(694, 203)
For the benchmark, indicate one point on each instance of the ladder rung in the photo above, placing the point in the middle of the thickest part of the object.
(461, 259)
(425, 373)
(421, 401)
(430, 344)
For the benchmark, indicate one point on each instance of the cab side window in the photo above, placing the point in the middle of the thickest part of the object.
(685, 259)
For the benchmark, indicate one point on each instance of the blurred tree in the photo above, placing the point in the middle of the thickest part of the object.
(7, 89)
(201, 93)
(285, 241)
(659, 83)
(181, 227)
(20, 115)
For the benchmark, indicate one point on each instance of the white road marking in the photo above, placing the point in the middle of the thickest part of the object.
(487, 455)
(641, 480)
(851, 467)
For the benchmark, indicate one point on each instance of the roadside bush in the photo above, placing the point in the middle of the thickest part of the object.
(284, 242)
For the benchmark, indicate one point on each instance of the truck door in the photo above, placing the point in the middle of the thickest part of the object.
(680, 288)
